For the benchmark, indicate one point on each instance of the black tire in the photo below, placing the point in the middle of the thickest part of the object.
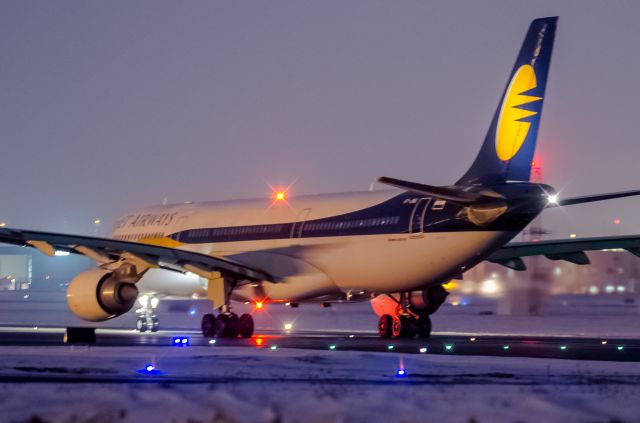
(208, 325)
(245, 326)
(155, 324)
(227, 325)
(424, 327)
(408, 327)
(141, 325)
(396, 327)
(384, 326)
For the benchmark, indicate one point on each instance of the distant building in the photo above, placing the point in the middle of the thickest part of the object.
(610, 272)
(24, 268)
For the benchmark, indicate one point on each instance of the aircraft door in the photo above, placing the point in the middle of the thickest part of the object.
(296, 229)
(416, 223)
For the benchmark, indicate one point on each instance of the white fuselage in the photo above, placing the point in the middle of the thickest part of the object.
(309, 267)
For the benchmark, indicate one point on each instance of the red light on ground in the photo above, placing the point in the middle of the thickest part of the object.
(617, 222)
(259, 305)
(259, 341)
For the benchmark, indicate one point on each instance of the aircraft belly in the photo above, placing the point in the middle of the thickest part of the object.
(328, 265)
(386, 263)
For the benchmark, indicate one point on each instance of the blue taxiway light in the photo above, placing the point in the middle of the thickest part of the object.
(192, 312)
(181, 341)
(401, 373)
(149, 369)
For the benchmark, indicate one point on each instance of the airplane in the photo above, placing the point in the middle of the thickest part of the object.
(395, 248)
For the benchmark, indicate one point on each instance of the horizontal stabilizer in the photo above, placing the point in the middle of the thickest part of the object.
(450, 194)
(593, 198)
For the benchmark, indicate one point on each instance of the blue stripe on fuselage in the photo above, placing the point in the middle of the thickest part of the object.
(389, 217)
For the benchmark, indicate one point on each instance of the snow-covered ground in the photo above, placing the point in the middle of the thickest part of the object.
(215, 384)
(225, 384)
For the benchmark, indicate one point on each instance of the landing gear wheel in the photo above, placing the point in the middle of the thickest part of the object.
(141, 324)
(396, 327)
(408, 329)
(227, 325)
(208, 325)
(155, 323)
(245, 326)
(384, 326)
(424, 327)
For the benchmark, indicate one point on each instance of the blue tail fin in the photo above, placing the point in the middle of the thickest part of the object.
(508, 149)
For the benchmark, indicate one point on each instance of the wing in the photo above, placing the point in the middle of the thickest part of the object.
(572, 250)
(105, 250)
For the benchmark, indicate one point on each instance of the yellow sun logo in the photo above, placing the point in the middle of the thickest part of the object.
(512, 127)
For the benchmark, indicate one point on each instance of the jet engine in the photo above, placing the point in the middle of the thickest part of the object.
(98, 294)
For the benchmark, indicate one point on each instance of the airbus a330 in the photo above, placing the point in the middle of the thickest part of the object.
(395, 248)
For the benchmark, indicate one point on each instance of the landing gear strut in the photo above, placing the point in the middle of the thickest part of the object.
(227, 324)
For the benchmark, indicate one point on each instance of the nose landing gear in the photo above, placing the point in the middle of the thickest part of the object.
(147, 319)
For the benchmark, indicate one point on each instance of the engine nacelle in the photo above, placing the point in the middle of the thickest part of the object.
(97, 294)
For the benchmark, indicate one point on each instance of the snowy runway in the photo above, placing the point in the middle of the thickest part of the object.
(264, 384)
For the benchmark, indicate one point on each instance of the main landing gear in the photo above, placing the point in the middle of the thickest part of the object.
(411, 318)
(227, 324)
(408, 326)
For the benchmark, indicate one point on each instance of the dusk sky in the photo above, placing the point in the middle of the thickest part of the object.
(110, 106)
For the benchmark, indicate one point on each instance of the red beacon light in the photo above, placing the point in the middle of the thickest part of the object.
(280, 196)
(259, 305)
